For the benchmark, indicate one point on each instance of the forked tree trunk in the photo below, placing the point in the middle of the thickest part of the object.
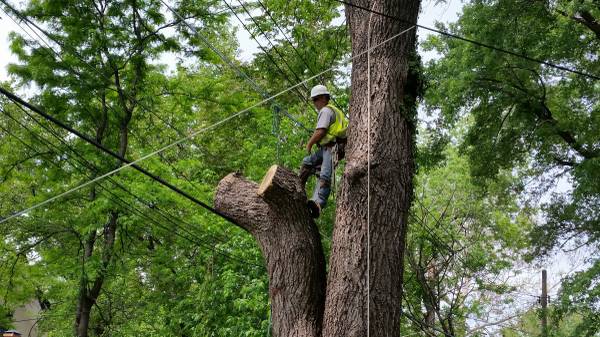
(275, 214)
(364, 285)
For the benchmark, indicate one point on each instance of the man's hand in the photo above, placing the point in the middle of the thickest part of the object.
(315, 138)
(309, 147)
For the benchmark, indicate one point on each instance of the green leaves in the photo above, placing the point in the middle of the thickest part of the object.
(173, 268)
(527, 122)
(461, 237)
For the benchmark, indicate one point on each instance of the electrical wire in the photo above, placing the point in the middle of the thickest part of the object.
(273, 46)
(80, 58)
(477, 43)
(90, 166)
(269, 57)
(126, 205)
(267, 12)
(28, 21)
(236, 68)
(129, 163)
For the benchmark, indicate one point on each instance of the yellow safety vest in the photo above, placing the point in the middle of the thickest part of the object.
(338, 128)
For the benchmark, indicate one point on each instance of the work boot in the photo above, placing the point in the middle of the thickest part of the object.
(305, 173)
(313, 208)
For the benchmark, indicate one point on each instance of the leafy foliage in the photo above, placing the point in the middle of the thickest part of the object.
(462, 238)
(173, 269)
(531, 119)
(135, 77)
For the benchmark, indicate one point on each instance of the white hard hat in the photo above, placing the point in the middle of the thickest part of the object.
(318, 90)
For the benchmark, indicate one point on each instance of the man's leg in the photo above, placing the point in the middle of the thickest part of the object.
(323, 187)
(309, 163)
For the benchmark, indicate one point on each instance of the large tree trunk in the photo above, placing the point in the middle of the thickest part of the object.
(391, 157)
(364, 285)
(275, 213)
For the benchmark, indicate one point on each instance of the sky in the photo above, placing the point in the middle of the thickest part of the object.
(529, 277)
(431, 12)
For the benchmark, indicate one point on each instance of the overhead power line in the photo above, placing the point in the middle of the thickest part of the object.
(272, 45)
(104, 149)
(22, 17)
(195, 238)
(128, 163)
(289, 41)
(269, 56)
(81, 160)
(477, 43)
(236, 68)
(88, 165)
(29, 22)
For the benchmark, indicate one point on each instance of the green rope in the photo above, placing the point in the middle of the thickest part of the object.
(275, 130)
(270, 323)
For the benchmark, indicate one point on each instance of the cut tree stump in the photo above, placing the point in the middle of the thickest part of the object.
(275, 213)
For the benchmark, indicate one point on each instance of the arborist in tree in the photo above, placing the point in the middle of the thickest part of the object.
(330, 130)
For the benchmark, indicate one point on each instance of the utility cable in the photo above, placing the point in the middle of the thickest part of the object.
(81, 59)
(267, 12)
(26, 20)
(90, 166)
(477, 43)
(82, 161)
(269, 57)
(273, 46)
(104, 149)
(236, 68)
(125, 204)
(128, 163)
(194, 238)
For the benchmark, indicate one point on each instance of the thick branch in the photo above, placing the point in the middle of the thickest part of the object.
(585, 18)
(289, 240)
(546, 116)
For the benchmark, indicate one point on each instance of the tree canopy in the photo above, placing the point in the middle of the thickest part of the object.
(508, 156)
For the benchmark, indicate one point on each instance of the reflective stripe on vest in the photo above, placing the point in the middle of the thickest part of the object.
(337, 129)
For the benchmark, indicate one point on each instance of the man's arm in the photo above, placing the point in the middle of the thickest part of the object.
(315, 138)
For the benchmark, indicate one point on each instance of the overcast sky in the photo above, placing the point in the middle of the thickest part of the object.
(430, 14)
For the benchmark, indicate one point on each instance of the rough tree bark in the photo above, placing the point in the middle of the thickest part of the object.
(356, 294)
(391, 154)
(275, 214)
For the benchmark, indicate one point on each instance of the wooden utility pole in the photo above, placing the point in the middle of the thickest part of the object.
(544, 303)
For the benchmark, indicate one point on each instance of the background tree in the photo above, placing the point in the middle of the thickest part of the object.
(534, 119)
(462, 242)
